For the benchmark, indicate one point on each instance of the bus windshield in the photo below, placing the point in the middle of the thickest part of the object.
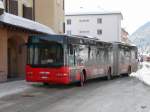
(45, 55)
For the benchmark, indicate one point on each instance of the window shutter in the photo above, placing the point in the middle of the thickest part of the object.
(27, 12)
(13, 7)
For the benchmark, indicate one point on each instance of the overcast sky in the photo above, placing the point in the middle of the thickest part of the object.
(135, 12)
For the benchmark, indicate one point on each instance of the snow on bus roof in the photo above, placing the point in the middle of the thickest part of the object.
(24, 23)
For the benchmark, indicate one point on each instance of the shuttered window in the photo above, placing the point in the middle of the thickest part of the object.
(13, 7)
(27, 12)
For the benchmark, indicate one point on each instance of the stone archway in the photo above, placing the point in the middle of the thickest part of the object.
(16, 57)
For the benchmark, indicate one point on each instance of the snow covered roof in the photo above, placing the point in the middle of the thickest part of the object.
(93, 13)
(24, 23)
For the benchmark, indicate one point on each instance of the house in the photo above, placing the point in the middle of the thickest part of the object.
(19, 19)
(14, 33)
(125, 36)
(47, 12)
(105, 26)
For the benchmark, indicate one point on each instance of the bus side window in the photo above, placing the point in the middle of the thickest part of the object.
(136, 55)
(71, 55)
(89, 51)
(71, 49)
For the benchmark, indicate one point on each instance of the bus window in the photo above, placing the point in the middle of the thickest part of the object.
(102, 58)
(71, 55)
(71, 49)
(121, 56)
(81, 54)
(44, 55)
(134, 54)
(127, 55)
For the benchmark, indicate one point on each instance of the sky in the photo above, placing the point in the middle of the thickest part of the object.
(135, 12)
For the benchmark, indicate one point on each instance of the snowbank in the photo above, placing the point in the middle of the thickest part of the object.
(143, 73)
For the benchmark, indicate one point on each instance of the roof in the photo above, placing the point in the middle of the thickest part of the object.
(93, 13)
(24, 23)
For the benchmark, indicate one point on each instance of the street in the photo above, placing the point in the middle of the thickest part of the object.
(119, 95)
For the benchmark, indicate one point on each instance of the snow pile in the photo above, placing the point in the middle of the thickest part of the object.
(143, 73)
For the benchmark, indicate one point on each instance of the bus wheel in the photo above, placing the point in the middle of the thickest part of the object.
(109, 76)
(82, 80)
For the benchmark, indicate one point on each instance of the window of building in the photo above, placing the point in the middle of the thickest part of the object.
(69, 32)
(64, 27)
(69, 21)
(27, 12)
(84, 20)
(99, 20)
(63, 4)
(85, 31)
(99, 32)
(12, 6)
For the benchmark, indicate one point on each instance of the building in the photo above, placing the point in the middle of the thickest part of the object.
(23, 8)
(105, 26)
(50, 13)
(47, 12)
(125, 36)
(14, 33)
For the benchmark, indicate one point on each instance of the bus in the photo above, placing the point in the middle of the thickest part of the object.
(125, 58)
(62, 59)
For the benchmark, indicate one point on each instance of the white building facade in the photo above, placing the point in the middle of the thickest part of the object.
(104, 26)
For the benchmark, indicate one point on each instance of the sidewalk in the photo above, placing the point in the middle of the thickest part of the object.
(13, 87)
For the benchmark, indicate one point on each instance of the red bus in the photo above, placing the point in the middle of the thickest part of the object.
(63, 59)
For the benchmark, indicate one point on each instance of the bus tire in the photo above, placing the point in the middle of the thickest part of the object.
(109, 76)
(82, 80)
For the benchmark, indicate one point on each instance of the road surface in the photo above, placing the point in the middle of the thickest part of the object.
(118, 95)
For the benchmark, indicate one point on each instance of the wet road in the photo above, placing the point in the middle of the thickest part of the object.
(118, 95)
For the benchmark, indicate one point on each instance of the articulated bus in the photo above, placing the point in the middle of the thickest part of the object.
(63, 59)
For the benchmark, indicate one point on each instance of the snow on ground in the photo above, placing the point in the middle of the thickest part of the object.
(14, 87)
(143, 73)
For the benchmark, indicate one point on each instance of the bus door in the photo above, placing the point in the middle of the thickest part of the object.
(72, 62)
(134, 60)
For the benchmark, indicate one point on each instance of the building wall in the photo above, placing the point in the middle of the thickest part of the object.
(17, 56)
(87, 25)
(12, 53)
(41, 14)
(50, 13)
(124, 36)
(28, 3)
(3, 55)
(47, 12)
(23, 8)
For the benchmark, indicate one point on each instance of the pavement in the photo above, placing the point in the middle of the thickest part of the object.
(13, 87)
(119, 95)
